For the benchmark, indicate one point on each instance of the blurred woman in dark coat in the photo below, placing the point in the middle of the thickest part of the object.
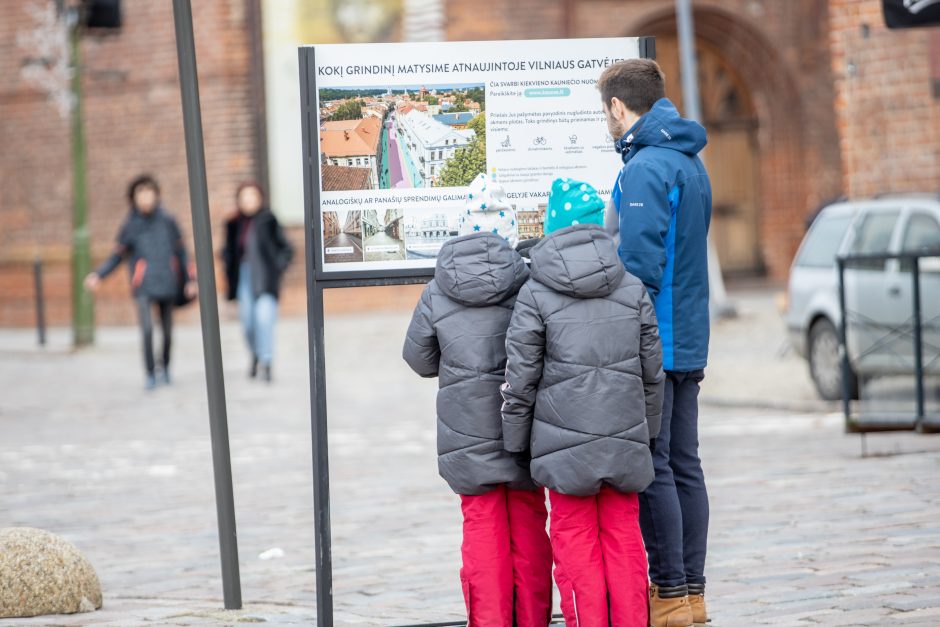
(256, 254)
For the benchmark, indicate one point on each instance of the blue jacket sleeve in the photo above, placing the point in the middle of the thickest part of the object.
(645, 214)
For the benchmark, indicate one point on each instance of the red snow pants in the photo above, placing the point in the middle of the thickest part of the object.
(507, 559)
(600, 560)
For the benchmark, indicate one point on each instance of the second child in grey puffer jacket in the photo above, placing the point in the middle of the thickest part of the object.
(584, 377)
(458, 334)
(583, 395)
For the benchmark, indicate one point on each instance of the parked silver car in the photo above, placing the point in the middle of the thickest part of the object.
(878, 293)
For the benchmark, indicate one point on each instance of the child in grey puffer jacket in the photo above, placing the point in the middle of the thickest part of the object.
(583, 393)
(458, 334)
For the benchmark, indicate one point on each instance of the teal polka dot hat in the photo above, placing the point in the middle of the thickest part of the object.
(572, 202)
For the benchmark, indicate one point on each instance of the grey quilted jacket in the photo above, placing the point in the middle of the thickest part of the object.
(458, 334)
(153, 247)
(584, 377)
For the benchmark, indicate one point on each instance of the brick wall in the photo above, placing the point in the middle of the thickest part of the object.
(843, 106)
(133, 124)
(888, 117)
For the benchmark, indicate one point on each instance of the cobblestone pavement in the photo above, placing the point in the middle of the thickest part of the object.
(754, 342)
(805, 531)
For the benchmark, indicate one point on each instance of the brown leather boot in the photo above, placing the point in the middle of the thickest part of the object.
(669, 607)
(697, 602)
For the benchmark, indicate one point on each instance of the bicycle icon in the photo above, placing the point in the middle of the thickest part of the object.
(539, 141)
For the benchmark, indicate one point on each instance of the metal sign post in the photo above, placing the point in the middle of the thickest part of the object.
(719, 304)
(315, 337)
(208, 305)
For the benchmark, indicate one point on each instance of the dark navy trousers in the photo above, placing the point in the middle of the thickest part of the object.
(674, 508)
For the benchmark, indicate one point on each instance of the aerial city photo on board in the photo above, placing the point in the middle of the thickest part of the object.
(409, 136)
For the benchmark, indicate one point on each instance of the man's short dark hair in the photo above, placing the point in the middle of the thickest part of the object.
(144, 180)
(637, 83)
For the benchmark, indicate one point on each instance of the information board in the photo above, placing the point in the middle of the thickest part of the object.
(393, 133)
(401, 130)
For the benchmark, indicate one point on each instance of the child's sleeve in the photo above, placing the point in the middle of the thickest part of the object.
(525, 350)
(651, 363)
(421, 350)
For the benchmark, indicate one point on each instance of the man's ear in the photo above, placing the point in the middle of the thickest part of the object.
(617, 108)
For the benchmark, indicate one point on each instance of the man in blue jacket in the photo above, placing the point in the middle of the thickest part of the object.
(660, 209)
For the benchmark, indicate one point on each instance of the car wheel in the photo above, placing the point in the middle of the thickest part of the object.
(825, 366)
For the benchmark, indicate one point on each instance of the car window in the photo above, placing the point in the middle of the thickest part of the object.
(822, 242)
(921, 234)
(873, 236)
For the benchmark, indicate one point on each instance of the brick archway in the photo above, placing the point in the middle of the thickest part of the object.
(773, 104)
(729, 114)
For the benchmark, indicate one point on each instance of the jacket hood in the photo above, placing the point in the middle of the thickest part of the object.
(663, 126)
(580, 261)
(479, 270)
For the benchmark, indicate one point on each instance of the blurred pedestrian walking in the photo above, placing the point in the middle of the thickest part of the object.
(151, 241)
(256, 254)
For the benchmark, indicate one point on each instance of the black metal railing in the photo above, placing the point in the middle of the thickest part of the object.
(913, 326)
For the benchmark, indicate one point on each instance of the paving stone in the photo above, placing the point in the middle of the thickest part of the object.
(799, 518)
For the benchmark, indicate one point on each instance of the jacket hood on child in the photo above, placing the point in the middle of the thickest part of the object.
(479, 270)
(458, 334)
(578, 261)
(584, 376)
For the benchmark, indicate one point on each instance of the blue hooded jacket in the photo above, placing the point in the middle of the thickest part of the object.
(663, 202)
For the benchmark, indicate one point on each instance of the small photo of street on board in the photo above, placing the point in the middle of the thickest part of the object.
(383, 235)
(402, 137)
(426, 231)
(342, 236)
